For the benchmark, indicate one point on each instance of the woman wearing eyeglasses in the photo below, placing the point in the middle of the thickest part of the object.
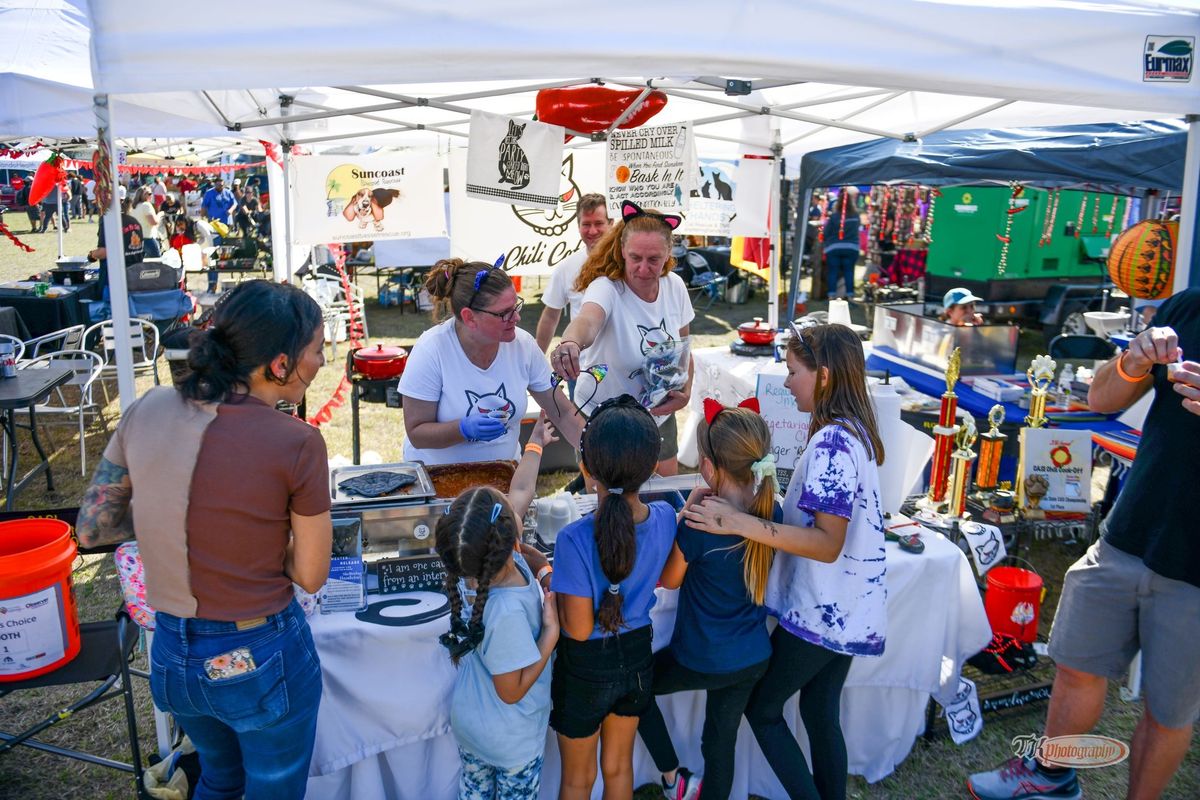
(465, 382)
(632, 303)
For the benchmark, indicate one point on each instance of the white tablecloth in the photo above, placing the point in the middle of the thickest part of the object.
(724, 377)
(383, 730)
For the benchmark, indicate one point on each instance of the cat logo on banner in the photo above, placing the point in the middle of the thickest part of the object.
(514, 161)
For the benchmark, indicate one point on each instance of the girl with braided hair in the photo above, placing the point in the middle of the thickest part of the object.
(606, 567)
(720, 644)
(502, 634)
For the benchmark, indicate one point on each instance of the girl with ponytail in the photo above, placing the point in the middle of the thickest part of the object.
(720, 643)
(606, 568)
(502, 634)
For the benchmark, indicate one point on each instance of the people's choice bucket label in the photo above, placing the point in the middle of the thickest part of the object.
(32, 631)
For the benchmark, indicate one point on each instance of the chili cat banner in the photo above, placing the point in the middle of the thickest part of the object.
(532, 240)
(514, 161)
(366, 198)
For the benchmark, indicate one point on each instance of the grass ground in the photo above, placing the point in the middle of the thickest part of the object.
(935, 769)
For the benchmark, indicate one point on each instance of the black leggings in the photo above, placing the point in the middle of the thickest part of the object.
(728, 694)
(818, 674)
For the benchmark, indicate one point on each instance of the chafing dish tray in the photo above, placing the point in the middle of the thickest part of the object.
(418, 492)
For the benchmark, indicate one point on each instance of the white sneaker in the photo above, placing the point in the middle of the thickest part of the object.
(686, 786)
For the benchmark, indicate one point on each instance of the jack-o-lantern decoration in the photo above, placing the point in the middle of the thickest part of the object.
(1142, 259)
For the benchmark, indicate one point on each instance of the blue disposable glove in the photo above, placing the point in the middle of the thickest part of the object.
(478, 428)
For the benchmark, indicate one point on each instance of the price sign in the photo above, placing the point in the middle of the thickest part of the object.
(414, 574)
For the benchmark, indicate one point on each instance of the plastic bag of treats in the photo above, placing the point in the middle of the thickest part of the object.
(664, 369)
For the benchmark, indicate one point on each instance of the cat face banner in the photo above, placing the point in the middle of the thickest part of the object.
(514, 161)
(533, 241)
(367, 198)
(654, 166)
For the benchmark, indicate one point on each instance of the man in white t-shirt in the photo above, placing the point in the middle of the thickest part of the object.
(593, 220)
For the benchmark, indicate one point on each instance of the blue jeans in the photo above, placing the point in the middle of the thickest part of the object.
(840, 264)
(150, 248)
(254, 732)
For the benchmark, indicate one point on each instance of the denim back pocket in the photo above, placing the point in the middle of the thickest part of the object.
(251, 701)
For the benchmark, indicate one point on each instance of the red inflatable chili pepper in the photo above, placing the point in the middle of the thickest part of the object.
(589, 109)
(48, 174)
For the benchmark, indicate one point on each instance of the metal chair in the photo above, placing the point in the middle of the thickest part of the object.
(103, 660)
(1082, 346)
(73, 398)
(65, 339)
(143, 340)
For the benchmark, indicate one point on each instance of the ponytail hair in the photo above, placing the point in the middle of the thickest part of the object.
(619, 448)
(474, 539)
(251, 325)
(735, 441)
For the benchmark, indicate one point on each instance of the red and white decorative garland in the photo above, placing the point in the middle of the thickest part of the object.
(1048, 221)
(353, 333)
(883, 210)
(1082, 212)
(1112, 215)
(1006, 238)
(934, 193)
(13, 238)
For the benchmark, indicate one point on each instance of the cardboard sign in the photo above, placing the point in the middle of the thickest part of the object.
(1064, 459)
(412, 574)
(654, 166)
(788, 424)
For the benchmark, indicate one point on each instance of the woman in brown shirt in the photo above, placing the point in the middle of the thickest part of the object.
(231, 507)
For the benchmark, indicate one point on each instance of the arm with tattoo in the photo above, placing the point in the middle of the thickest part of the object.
(104, 515)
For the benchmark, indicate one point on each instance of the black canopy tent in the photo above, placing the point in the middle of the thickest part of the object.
(1128, 158)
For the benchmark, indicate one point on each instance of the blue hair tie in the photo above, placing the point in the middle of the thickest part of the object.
(480, 277)
(616, 490)
(496, 509)
(499, 263)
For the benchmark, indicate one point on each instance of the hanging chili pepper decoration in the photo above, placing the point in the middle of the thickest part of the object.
(883, 211)
(843, 196)
(934, 194)
(1082, 212)
(823, 204)
(12, 237)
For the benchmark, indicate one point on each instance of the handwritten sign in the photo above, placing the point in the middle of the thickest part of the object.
(654, 167)
(413, 574)
(788, 424)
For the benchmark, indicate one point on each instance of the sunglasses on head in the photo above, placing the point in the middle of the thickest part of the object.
(799, 334)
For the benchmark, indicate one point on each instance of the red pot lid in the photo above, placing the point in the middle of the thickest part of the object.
(757, 326)
(380, 352)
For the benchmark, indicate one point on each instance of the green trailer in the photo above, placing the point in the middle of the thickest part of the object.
(1054, 268)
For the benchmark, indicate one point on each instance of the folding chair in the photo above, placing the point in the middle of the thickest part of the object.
(105, 651)
(74, 398)
(143, 341)
(66, 339)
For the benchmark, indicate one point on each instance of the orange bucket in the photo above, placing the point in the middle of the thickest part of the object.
(1013, 601)
(39, 626)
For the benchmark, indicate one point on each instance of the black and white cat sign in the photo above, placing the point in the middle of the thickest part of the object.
(514, 161)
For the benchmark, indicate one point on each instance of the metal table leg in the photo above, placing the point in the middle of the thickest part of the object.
(37, 444)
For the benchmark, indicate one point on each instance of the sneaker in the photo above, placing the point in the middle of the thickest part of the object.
(686, 786)
(1020, 779)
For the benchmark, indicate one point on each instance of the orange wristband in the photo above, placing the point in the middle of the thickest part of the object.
(1125, 376)
(537, 448)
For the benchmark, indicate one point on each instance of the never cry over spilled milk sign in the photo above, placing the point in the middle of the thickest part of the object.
(788, 424)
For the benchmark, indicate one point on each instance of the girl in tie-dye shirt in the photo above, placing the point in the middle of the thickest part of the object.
(827, 585)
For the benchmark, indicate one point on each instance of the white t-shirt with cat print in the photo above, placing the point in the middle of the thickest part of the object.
(631, 327)
(438, 370)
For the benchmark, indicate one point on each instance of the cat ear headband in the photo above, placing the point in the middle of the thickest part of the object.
(631, 210)
(712, 407)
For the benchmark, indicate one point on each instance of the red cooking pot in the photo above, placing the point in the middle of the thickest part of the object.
(380, 362)
(756, 332)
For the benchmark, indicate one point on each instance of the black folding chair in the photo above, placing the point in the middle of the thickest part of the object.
(102, 663)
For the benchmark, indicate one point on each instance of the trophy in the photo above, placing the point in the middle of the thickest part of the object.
(1040, 375)
(1036, 487)
(943, 434)
(991, 445)
(961, 474)
(1002, 505)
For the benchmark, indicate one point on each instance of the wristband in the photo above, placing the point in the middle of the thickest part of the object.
(1125, 376)
(533, 447)
(543, 572)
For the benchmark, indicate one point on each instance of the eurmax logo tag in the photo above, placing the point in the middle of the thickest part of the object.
(1079, 752)
(1168, 58)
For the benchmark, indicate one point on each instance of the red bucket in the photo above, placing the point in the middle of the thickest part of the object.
(1013, 601)
(39, 628)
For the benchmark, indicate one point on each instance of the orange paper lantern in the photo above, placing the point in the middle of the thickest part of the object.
(1142, 259)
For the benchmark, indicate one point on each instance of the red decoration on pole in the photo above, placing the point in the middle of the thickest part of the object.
(272, 151)
(12, 237)
(353, 333)
(49, 173)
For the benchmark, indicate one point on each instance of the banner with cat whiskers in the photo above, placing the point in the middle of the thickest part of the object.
(514, 161)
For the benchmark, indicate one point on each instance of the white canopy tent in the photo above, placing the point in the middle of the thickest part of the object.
(897, 68)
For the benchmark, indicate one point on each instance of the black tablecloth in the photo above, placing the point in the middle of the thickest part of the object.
(12, 324)
(44, 315)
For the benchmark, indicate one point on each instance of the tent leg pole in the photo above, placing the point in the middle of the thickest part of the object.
(114, 243)
(800, 240)
(1187, 272)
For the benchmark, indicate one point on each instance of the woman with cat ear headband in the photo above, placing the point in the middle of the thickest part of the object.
(467, 379)
(632, 302)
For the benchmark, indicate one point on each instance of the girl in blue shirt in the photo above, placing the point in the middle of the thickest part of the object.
(605, 568)
(720, 643)
(502, 636)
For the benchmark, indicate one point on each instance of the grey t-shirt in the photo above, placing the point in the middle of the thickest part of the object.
(503, 735)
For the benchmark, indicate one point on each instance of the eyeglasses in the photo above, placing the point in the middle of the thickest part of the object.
(505, 316)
